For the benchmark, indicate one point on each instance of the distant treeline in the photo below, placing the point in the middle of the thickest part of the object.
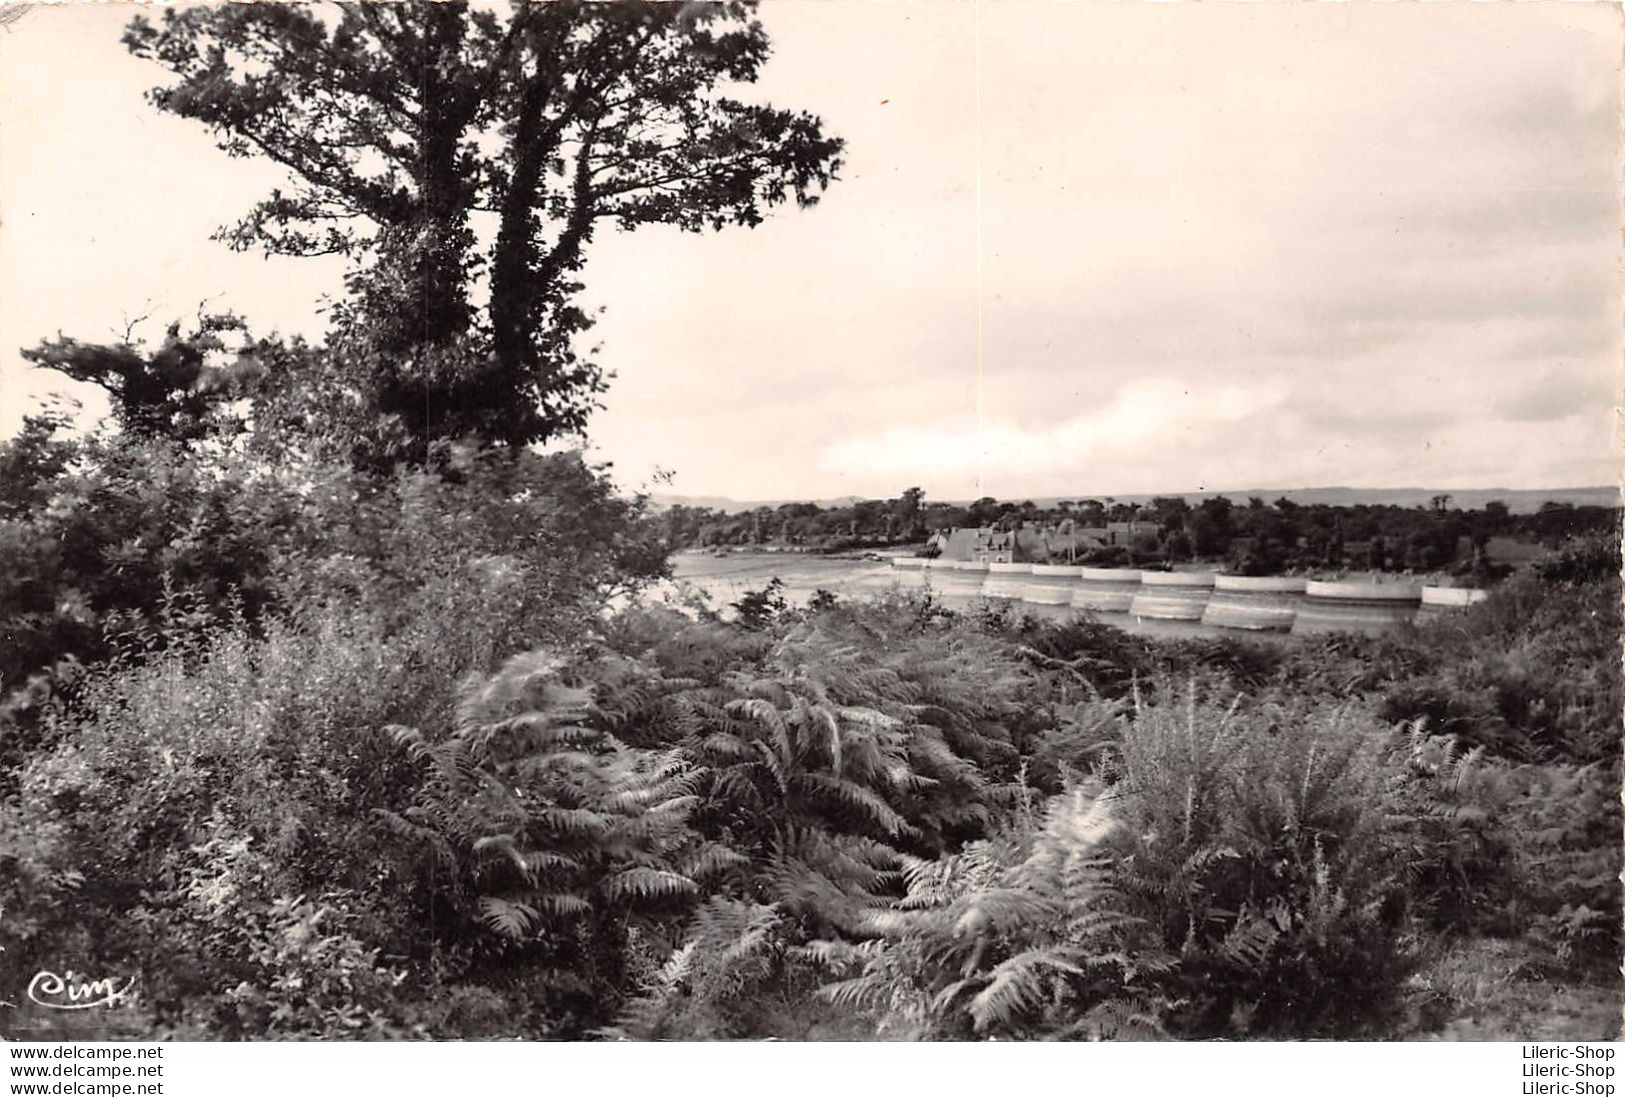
(1256, 537)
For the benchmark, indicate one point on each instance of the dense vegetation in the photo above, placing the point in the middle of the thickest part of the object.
(325, 720)
(435, 792)
(1258, 538)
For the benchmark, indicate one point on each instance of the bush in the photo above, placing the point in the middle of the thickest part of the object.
(264, 738)
(1512, 850)
(1567, 822)
(1084, 652)
(1256, 842)
(128, 526)
(132, 527)
(1532, 674)
(251, 750)
(1024, 936)
(711, 986)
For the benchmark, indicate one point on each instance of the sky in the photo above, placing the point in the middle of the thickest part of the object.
(1076, 249)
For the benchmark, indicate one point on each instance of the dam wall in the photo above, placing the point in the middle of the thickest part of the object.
(1368, 608)
(1007, 582)
(1263, 603)
(1440, 602)
(1105, 590)
(1172, 595)
(962, 584)
(1260, 604)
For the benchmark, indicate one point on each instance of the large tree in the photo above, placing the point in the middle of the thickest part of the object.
(463, 158)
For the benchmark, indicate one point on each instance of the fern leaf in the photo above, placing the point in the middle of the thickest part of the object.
(647, 883)
(860, 799)
(510, 918)
(713, 858)
(562, 904)
(1249, 942)
(1000, 910)
(502, 844)
(1016, 985)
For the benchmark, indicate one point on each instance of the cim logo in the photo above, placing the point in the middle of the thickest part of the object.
(72, 990)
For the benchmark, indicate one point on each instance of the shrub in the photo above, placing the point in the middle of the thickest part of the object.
(1023, 936)
(230, 743)
(1531, 674)
(134, 526)
(548, 833)
(1453, 809)
(300, 969)
(712, 985)
(1589, 558)
(1568, 825)
(1256, 843)
(1084, 652)
(267, 740)
(757, 609)
(1512, 850)
(126, 526)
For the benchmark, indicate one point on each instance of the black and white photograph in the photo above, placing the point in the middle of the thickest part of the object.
(810, 521)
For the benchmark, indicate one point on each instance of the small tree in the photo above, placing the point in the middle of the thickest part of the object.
(181, 390)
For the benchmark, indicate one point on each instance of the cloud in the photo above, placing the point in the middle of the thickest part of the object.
(1243, 245)
(1152, 414)
(1555, 396)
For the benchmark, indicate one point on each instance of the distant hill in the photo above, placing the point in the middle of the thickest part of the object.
(1519, 501)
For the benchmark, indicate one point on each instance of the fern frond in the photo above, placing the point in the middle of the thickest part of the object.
(861, 800)
(856, 993)
(510, 918)
(562, 904)
(410, 740)
(503, 845)
(1000, 910)
(712, 858)
(577, 821)
(647, 883)
(1248, 943)
(1016, 985)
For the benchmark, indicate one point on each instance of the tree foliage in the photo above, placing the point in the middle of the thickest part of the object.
(446, 149)
(182, 390)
